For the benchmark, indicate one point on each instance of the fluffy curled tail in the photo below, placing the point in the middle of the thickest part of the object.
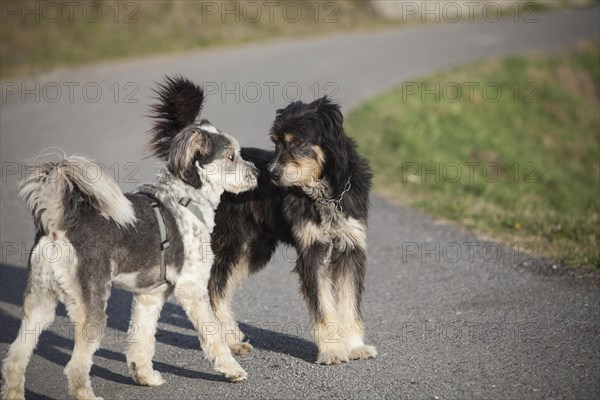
(59, 192)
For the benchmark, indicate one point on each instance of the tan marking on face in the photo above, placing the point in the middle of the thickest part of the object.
(288, 137)
(304, 171)
(320, 155)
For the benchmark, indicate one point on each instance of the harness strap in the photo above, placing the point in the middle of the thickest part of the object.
(164, 243)
(190, 205)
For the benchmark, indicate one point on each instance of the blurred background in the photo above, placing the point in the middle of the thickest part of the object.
(480, 120)
(545, 101)
(38, 36)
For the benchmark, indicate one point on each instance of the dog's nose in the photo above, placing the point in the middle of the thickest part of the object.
(275, 174)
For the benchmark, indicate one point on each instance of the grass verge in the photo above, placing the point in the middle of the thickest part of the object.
(509, 148)
(40, 35)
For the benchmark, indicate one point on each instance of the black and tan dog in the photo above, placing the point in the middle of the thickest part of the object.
(153, 242)
(313, 194)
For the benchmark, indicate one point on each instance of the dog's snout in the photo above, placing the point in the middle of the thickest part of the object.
(275, 172)
(252, 172)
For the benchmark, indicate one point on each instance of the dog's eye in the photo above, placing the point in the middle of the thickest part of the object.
(296, 142)
(231, 157)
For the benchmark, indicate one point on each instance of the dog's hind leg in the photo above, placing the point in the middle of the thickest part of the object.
(193, 297)
(348, 273)
(144, 316)
(88, 313)
(38, 313)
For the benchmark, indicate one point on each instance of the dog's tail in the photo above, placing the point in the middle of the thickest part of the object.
(179, 104)
(58, 193)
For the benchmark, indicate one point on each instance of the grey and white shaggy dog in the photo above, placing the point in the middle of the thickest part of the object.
(153, 241)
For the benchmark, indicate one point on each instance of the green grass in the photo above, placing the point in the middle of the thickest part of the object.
(35, 36)
(134, 28)
(548, 151)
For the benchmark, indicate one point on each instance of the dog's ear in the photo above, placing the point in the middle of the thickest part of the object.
(179, 104)
(188, 147)
(334, 140)
(331, 115)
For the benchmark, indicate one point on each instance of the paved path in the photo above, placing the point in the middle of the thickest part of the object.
(474, 328)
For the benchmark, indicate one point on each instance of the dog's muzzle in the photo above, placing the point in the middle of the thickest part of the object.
(256, 172)
(275, 171)
(251, 174)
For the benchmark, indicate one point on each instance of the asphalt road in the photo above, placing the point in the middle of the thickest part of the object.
(452, 316)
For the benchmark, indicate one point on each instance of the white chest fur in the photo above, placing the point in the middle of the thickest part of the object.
(343, 232)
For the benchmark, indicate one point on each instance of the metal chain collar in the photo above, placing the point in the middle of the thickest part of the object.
(338, 202)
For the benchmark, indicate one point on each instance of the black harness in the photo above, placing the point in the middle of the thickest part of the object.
(164, 242)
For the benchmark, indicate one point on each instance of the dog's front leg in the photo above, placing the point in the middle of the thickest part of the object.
(348, 274)
(145, 312)
(223, 280)
(318, 291)
(193, 297)
(233, 336)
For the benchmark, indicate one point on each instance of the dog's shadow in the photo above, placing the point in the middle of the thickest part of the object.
(278, 342)
(51, 344)
(260, 338)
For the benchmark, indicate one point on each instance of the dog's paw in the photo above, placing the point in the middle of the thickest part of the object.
(363, 352)
(232, 370)
(14, 382)
(237, 376)
(332, 357)
(86, 394)
(150, 378)
(13, 393)
(241, 348)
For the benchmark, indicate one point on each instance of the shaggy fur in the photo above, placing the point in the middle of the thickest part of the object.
(103, 237)
(313, 194)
